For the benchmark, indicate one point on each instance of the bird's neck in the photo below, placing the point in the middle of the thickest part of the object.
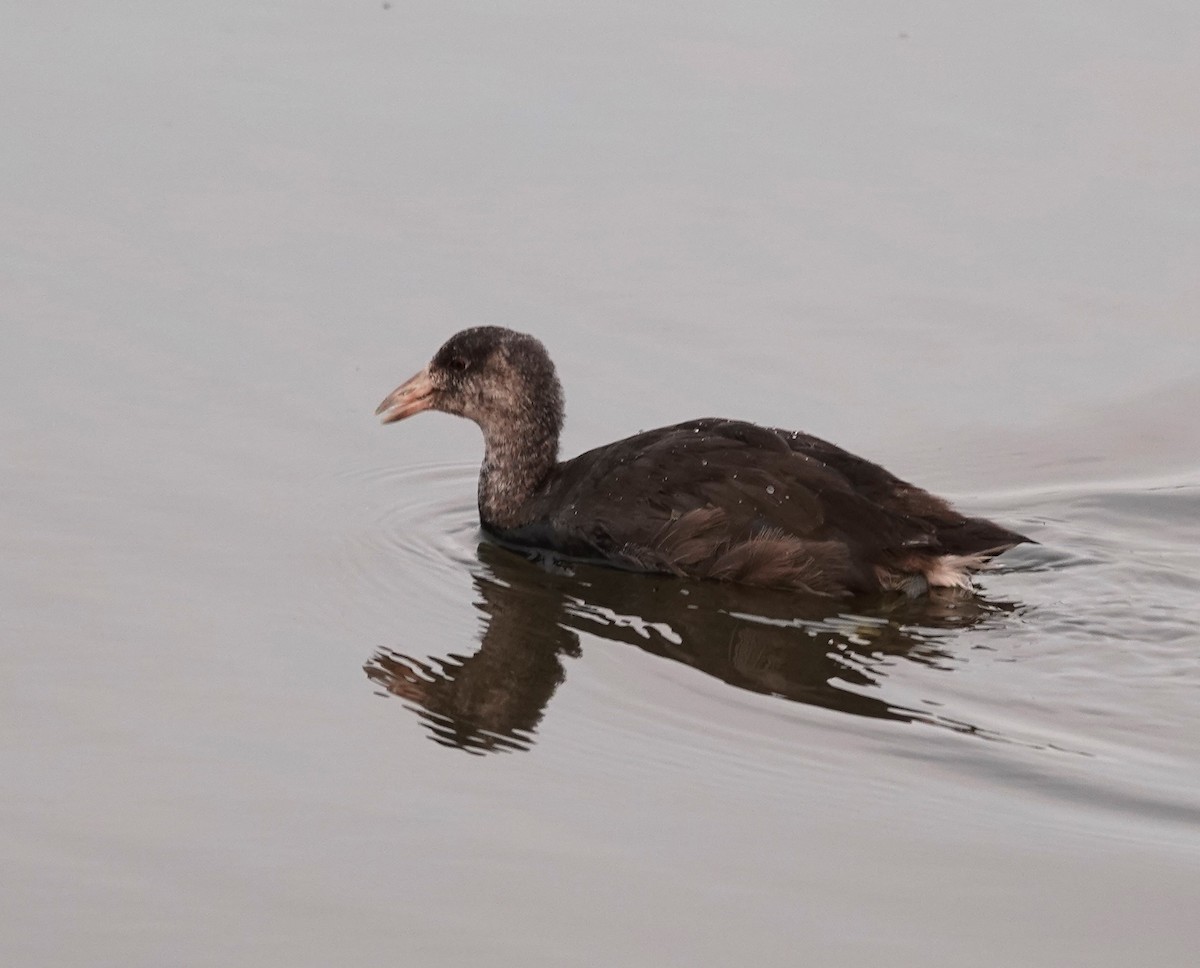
(519, 457)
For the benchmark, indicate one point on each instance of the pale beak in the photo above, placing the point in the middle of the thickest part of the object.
(412, 396)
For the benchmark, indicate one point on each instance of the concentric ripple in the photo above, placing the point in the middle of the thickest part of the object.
(417, 528)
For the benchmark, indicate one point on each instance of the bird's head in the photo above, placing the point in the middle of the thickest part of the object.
(494, 376)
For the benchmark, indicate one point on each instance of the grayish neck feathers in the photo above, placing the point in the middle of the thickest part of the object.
(520, 412)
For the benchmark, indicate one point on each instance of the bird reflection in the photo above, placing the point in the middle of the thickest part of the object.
(807, 650)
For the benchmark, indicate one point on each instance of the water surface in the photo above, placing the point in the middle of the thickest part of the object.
(270, 700)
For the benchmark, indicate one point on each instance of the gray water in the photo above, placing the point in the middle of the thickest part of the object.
(267, 698)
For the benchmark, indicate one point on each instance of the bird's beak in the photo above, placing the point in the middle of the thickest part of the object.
(412, 396)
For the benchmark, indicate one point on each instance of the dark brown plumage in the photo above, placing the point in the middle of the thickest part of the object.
(710, 498)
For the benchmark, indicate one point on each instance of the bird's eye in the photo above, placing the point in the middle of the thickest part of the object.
(458, 363)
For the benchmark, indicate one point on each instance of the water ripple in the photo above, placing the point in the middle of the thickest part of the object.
(416, 526)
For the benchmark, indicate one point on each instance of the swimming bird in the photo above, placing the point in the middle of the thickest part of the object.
(709, 498)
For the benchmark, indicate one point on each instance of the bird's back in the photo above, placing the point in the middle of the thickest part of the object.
(731, 500)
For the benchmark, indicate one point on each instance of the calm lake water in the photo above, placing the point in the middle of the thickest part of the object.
(267, 698)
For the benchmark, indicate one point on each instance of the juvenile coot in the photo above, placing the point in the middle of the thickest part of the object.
(710, 498)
